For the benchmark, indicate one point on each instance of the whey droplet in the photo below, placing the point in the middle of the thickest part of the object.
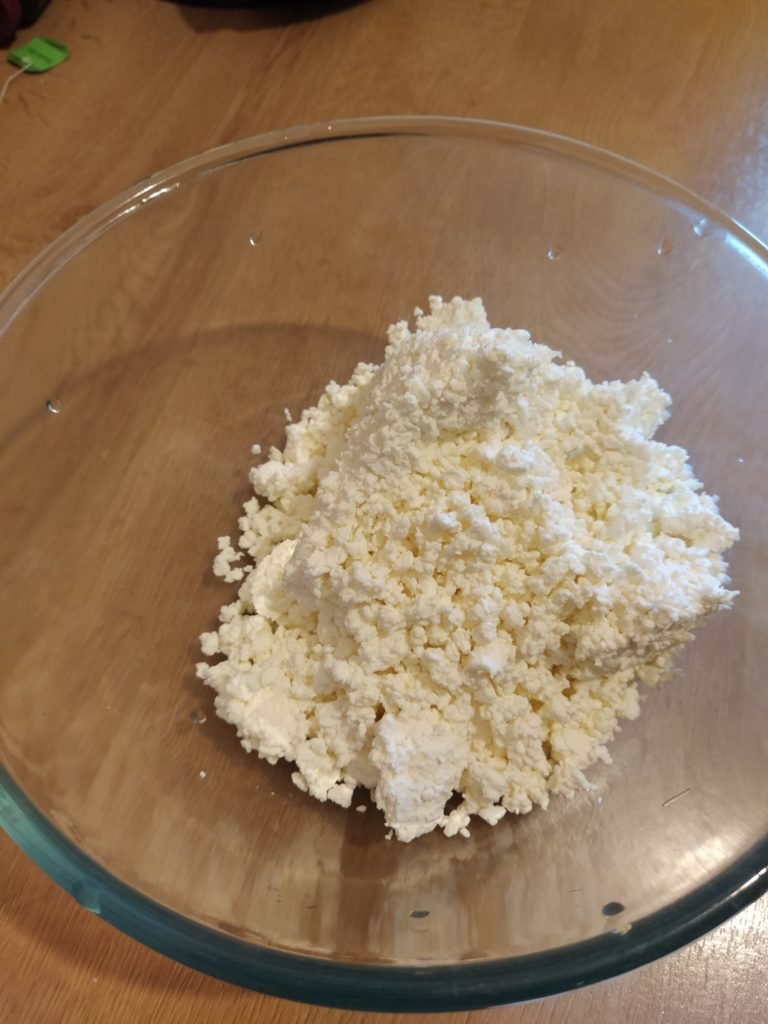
(703, 227)
(613, 908)
(553, 253)
(198, 718)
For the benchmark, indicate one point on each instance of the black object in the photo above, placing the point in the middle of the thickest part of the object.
(31, 10)
(14, 13)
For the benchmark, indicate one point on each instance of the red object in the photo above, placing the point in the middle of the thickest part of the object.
(10, 18)
(18, 12)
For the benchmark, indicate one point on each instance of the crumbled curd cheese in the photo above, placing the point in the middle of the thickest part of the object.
(464, 561)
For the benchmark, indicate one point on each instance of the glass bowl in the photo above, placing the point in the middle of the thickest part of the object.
(142, 355)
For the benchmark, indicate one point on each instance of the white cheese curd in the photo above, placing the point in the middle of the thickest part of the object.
(464, 561)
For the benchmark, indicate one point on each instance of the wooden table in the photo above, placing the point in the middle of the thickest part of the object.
(678, 86)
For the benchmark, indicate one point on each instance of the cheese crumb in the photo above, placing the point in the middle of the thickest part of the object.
(468, 558)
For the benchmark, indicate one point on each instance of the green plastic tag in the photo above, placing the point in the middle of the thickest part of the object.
(39, 54)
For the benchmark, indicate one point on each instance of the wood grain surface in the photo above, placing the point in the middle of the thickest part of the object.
(680, 87)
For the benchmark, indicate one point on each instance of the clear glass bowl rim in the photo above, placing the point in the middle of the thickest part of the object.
(443, 987)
